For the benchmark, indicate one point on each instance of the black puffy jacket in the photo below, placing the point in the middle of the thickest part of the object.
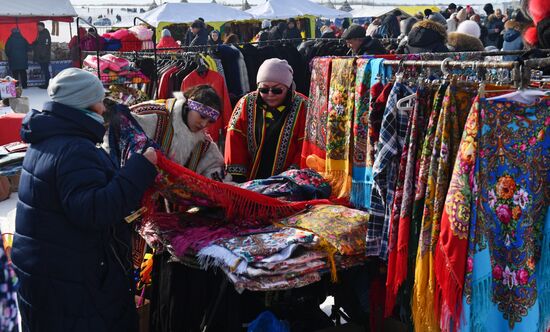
(72, 248)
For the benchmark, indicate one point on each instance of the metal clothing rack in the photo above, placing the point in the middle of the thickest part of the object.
(98, 51)
(521, 70)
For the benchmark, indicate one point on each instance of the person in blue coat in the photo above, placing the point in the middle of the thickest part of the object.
(16, 49)
(72, 248)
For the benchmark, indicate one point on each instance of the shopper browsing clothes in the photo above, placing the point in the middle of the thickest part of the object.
(42, 47)
(16, 51)
(72, 248)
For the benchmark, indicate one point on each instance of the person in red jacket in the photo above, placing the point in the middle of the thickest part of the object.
(266, 131)
(167, 41)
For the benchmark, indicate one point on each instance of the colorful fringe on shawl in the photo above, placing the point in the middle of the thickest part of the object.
(315, 140)
(361, 182)
(450, 125)
(452, 247)
(183, 187)
(402, 207)
(419, 300)
(340, 115)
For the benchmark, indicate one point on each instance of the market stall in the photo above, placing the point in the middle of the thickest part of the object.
(372, 11)
(25, 15)
(214, 15)
(284, 9)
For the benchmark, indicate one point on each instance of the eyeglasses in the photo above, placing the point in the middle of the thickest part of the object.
(275, 91)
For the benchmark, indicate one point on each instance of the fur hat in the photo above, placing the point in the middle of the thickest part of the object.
(470, 28)
(461, 42)
(431, 25)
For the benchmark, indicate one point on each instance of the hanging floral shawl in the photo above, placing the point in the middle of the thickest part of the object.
(317, 113)
(339, 125)
(400, 217)
(509, 233)
(361, 177)
(451, 250)
(419, 309)
(456, 106)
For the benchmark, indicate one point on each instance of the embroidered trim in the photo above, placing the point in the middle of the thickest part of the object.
(204, 110)
(237, 169)
(251, 117)
(286, 135)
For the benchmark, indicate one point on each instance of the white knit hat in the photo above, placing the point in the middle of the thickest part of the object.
(470, 28)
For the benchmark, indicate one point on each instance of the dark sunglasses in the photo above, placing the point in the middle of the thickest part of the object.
(275, 91)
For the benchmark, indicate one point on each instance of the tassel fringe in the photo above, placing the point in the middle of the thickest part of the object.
(543, 279)
(238, 203)
(424, 318)
(481, 302)
(448, 293)
(361, 194)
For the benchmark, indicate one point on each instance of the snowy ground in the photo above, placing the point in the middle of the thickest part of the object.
(37, 97)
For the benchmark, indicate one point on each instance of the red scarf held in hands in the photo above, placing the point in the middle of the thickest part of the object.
(184, 187)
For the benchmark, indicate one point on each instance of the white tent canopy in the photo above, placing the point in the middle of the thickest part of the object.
(283, 9)
(37, 8)
(188, 12)
(372, 11)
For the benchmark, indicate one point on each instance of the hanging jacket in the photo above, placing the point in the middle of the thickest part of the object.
(16, 51)
(42, 47)
(426, 36)
(72, 248)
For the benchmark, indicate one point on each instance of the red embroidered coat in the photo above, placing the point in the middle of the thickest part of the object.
(243, 147)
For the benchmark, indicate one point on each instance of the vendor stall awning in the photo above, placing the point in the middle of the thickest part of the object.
(372, 11)
(411, 10)
(45, 9)
(188, 12)
(283, 9)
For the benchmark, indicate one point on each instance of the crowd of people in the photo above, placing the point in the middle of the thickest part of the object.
(456, 28)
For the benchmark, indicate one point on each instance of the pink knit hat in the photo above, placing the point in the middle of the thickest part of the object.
(275, 70)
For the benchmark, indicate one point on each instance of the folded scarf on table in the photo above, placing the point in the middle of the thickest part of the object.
(341, 230)
(183, 187)
(238, 252)
(292, 185)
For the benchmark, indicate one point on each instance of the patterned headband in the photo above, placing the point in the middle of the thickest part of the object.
(206, 111)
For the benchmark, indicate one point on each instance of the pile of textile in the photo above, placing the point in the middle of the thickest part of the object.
(259, 236)
(11, 158)
(294, 252)
(114, 70)
(124, 40)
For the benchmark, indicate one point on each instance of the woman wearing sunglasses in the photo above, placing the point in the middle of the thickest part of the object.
(266, 130)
